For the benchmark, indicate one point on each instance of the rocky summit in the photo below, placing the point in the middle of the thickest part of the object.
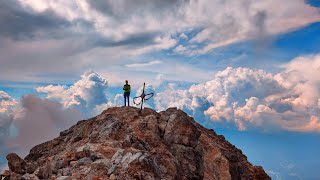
(120, 143)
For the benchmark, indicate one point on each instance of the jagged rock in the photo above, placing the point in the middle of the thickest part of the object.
(59, 165)
(29, 177)
(180, 131)
(16, 164)
(45, 172)
(15, 176)
(84, 161)
(120, 143)
(5, 175)
(100, 167)
(112, 177)
(65, 171)
(64, 178)
(32, 167)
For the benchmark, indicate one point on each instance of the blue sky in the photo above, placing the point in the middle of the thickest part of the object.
(248, 69)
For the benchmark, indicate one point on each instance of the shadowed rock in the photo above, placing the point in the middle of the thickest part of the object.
(16, 164)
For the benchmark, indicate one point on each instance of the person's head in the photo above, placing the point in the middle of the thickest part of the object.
(126, 81)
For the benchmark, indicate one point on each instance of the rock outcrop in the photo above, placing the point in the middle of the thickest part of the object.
(120, 143)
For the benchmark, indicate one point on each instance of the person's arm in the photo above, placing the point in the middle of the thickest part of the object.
(129, 88)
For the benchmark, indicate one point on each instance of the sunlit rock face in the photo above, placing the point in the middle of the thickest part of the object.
(120, 143)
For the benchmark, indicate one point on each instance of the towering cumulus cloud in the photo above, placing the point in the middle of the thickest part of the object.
(85, 94)
(252, 98)
(35, 120)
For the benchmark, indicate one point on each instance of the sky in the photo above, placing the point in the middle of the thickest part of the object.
(248, 69)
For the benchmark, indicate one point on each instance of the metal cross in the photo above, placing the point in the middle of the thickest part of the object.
(143, 96)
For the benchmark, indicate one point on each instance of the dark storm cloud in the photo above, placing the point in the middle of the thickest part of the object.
(19, 23)
(259, 20)
(122, 9)
(139, 39)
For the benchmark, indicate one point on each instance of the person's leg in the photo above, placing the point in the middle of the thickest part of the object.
(128, 95)
(124, 96)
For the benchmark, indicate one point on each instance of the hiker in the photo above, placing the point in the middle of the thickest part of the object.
(126, 94)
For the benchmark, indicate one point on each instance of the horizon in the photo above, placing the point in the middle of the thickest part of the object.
(250, 70)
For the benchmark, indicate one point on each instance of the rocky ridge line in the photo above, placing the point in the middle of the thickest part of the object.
(120, 143)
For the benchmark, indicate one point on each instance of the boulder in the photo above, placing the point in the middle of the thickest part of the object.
(16, 164)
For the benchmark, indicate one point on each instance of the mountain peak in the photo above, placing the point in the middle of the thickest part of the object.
(120, 143)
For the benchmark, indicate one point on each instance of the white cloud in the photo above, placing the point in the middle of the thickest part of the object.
(312, 125)
(6, 102)
(250, 98)
(86, 93)
(180, 49)
(235, 21)
(143, 65)
(161, 43)
(183, 36)
(148, 89)
(247, 98)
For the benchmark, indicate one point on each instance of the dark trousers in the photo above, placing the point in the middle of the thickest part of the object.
(126, 96)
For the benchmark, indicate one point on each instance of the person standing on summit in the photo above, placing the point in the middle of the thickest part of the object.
(126, 94)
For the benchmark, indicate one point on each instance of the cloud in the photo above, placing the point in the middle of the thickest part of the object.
(143, 65)
(86, 93)
(241, 20)
(6, 102)
(221, 23)
(21, 24)
(32, 121)
(7, 106)
(183, 36)
(180, 49)
(255, 99)
(114, 30)
(45, 37)
(39, 120)
(274, 174)
(147, 90)
(154, 72)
